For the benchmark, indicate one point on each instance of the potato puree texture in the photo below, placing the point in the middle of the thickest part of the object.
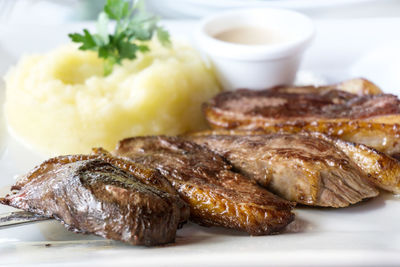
(60, 103)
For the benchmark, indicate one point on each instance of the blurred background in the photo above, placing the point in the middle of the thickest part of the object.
(59, 11)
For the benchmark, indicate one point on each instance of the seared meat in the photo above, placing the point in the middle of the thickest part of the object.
(146, 175)
(216, 195)
(368, 119)
(299, 168)
(90, 195)
(357, 86)
(381, 169)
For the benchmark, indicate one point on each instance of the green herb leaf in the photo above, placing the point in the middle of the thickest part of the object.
(88, 43)
(133, 28)
(116, 9)
(102, 27)
(127, 50)
(163, 36)
(109, 65)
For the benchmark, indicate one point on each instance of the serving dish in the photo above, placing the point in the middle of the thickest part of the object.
(366, 234)
(263, 64)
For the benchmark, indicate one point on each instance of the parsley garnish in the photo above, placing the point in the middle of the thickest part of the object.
(133, 27)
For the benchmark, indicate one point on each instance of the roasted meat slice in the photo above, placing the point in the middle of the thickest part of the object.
(372, 120)
(217, 196)
(146, 175)
(90, 195)
(299, 168)
(380, 169)
(357, 86)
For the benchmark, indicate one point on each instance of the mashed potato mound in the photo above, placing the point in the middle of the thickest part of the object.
(60, 103)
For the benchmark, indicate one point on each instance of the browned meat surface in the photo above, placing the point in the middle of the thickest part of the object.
(146, 175)
(216, 195)
(357, 86)
(299, 168)
(90, 195)
(372, 120)
(381, 169)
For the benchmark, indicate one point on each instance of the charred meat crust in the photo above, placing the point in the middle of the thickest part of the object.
(299, 168)
(380, 169)
(90, 195)
(304, 103)
(366, 119)
(216, 195)
(146, 175)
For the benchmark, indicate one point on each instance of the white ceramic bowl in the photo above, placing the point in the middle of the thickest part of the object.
(256, 66)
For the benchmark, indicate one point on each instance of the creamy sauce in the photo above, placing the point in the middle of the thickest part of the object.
(250, 35)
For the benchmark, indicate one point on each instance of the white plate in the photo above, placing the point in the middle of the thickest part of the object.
(366, 234)
(385, 57)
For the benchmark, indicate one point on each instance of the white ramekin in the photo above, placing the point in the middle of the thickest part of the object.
(256, 66)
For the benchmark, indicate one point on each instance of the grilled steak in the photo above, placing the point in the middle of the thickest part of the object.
(357, 86)
(216, 195)
(299, 168)
(90, 195)
(381, 169)
(368, 119)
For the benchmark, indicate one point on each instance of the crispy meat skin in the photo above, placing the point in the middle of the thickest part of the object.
(90, 195)
(368, 119)
(146, 175)
(300, 168)
(380, 169)
(357, 86)
(216, 195)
